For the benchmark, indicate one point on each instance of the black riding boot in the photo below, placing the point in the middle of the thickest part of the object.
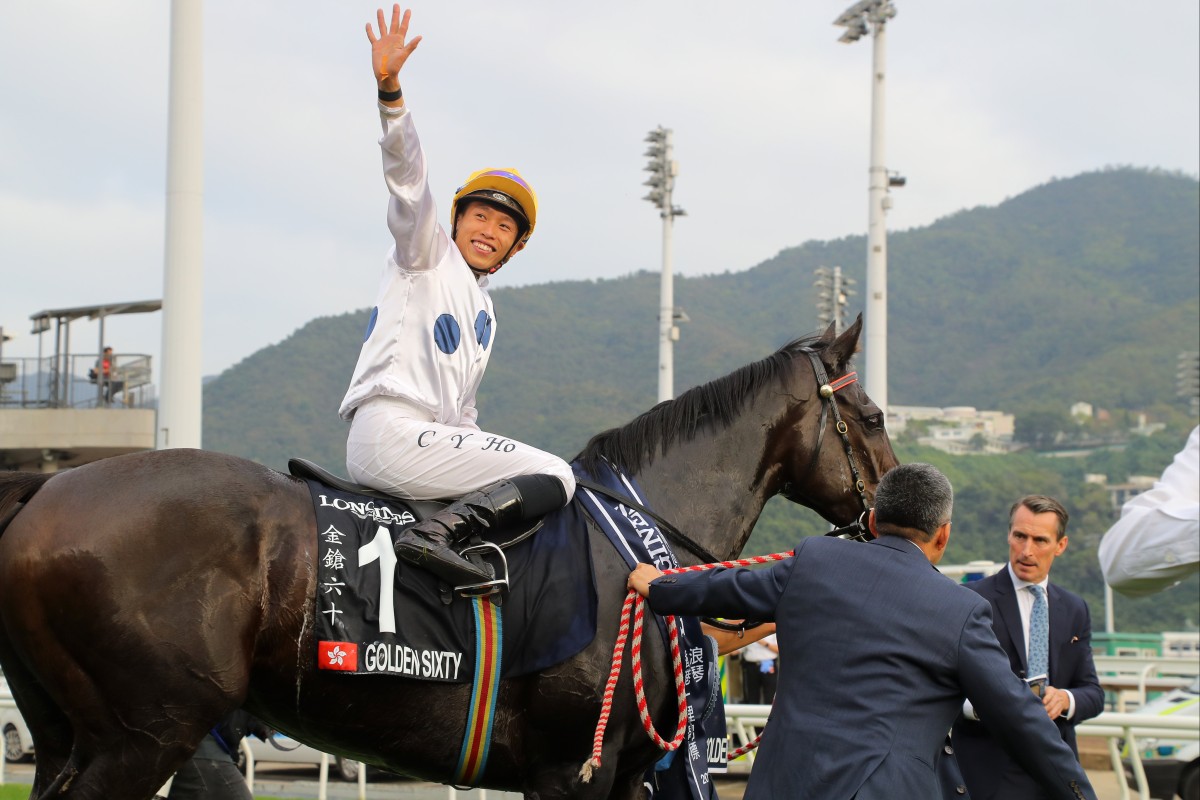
(429, 543)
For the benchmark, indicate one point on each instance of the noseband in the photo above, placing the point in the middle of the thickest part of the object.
(857, 530)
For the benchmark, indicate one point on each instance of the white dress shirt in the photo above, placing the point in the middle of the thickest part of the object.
(1156, 542)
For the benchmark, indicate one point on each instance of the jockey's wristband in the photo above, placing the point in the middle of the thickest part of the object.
(390, 96)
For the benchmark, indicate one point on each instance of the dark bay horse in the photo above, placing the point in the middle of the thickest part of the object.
(144, 596)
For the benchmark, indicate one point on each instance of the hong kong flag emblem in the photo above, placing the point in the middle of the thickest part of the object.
(338, 655)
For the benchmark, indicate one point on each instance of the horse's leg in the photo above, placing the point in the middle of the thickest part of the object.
(562, 782)
(128, 752)
(102, 730)
(52, 736)
(163, 650)
(109, 776)
(49, 726)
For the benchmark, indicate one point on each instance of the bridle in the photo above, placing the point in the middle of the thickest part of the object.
(856, 531)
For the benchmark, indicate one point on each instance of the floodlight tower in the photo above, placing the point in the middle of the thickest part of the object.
(663, 169)
(871, 16)
(834, 292)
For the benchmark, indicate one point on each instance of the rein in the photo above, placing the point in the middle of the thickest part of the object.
(635, 607)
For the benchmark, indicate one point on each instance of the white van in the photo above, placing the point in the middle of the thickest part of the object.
(1172, 765)
(18, 744)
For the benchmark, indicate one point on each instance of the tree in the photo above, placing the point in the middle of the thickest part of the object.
(1041, 428)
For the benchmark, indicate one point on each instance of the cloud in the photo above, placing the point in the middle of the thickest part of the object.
(771, 118)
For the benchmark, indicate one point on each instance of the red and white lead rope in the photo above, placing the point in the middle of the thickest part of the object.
(635, 606)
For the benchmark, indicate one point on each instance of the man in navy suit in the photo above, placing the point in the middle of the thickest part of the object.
(1071, 693)
(880, 650)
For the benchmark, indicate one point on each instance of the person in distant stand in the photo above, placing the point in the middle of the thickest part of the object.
(104, 373)
(1156, 542)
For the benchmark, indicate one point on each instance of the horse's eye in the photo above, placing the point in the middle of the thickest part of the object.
(875, 421)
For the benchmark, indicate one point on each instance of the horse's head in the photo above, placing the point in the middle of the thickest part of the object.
(830, 445)
(712, 457)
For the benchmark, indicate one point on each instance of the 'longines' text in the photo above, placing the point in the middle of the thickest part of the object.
(369, 510)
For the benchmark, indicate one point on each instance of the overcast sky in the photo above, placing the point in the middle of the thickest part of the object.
(771, 116)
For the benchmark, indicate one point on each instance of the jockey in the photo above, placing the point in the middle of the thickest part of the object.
(411, 401)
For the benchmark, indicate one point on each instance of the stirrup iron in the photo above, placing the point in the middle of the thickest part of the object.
(485, 588)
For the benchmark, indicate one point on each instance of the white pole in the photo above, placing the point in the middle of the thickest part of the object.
(1108, 609)
(666, 305)
(876, 305)
(838, 301)
(666, 317)
(179, 403)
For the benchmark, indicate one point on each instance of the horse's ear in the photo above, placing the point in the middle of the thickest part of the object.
(845, 346)
(829, 335)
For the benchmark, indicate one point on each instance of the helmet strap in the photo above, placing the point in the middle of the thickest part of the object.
(504, 260)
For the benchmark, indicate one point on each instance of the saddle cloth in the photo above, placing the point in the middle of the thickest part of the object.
(549, 610)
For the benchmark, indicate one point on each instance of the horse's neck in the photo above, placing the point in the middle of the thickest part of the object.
(710, 489)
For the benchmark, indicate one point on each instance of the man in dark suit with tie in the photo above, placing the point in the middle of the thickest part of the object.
(1047, 633)
(880, 650)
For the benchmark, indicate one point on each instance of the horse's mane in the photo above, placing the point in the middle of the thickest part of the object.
(710, 406)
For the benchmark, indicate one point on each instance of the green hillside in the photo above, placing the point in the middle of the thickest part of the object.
(1084, 288)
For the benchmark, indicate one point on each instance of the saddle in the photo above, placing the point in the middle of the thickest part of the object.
(496, 541)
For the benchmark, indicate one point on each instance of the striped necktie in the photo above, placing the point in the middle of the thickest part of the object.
(1039, 634)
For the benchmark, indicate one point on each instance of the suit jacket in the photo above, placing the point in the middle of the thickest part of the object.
(877, 650)
(988, 771)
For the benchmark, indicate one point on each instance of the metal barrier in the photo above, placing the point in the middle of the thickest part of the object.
(64, 382)
(323, 781)
(1114, 726)
(746, 719)
(1140, 674)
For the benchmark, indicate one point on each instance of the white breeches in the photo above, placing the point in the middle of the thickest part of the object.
(393, 449)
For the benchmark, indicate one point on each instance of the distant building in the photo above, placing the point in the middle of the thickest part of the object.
(962, 430)
(1118, 493)
(1144, 428)
(1083, 410)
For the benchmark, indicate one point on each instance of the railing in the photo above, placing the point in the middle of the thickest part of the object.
(64, 383)
(1119, 728)
(323, 780)
(747, 720)
(1141, 674)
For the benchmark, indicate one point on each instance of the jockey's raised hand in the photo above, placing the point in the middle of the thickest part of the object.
(414, 368)
(389, 50)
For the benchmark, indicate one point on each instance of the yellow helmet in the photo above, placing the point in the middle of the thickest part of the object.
(504, 188)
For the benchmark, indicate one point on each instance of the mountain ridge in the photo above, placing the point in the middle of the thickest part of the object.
(1084, 288)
